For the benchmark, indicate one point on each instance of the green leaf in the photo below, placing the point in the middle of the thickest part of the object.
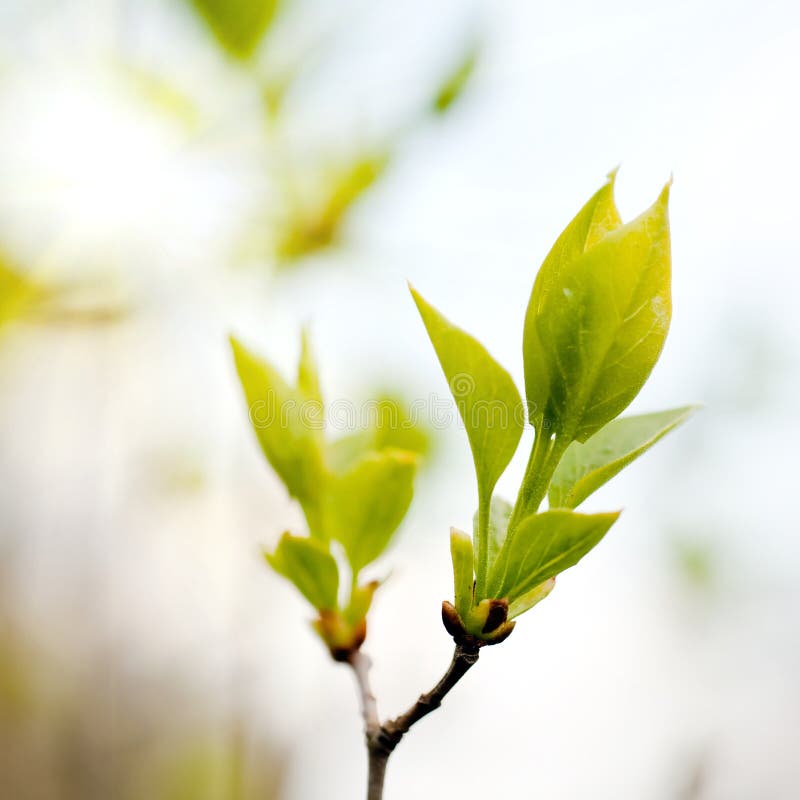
(597, 218)
(489, 405)
(528, 600)
(238, 25)
(364, 506)
(585, 467)
(499, 515)
(543, 546)
(288, 436)
(463, 574)
(307, 373)
(310, 567)
(454, 84)
(601, 323)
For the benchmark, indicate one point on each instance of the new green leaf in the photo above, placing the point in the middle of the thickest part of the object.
(463, 570)
(489, 405)
(364, 506)
(597, 218)
(499, 515)
(585, 467)
(543, 546)
(289, 438)
(310, 567)
(597, 323)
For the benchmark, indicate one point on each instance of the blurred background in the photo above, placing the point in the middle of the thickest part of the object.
(174, 170)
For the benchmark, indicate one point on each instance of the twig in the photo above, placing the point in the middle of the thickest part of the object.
(382, 739)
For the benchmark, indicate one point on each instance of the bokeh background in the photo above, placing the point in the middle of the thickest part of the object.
(167, 177)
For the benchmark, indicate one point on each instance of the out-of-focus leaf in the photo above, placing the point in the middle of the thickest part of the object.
(160, 94)
(315, 223)
(543, 546)
(597, 218)
(364, 506)
(489, 405)
(390, 426)
(238, 25)
(360, 602)
(603, 321)
(307, 372)
(308, 564)
(585, 467)
(16, 293)
(456, 82)
(290, 440)
(463, 573)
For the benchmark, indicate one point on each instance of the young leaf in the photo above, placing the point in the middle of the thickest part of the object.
(307, 374)
(463, 574)
(528, 600)
(364, 506)
(585, 467)
(603, 321)
(543, 546)
(292, 446)
(310, 567)
(499, 515)
(238, 25)
(489, 405)
(597, 218)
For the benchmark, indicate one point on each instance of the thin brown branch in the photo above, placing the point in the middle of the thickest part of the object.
(383, 739)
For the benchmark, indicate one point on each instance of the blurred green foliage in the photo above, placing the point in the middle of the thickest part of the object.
(456, 82)
(238, 25)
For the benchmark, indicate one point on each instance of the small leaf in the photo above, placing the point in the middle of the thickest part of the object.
(310, 567)
(489, 405)
(292, 445)
(585, 467)
(543, 546)
(528, 600)
(463, 574)
(238, 25)
(597, 218)
(487, 399)
(307, 373)
(364, 506)
(453, 86)
(360, 602)
(499, 515)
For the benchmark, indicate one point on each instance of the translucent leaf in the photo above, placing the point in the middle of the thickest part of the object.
(597, 218)
(307, 373)
(585, 467)
(463, 574)
(238, 25)
(528, 600)
(364, 506)
(287, 435)
(308, 564)
(543, 546)
(600, 323)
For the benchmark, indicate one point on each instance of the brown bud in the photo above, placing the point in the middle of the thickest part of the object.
(451, 621)
(498, 614)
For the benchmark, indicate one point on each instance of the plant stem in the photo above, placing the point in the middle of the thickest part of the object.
(383, 738)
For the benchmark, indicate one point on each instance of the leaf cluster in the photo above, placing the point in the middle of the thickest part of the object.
(596, 322)
(354, 491)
